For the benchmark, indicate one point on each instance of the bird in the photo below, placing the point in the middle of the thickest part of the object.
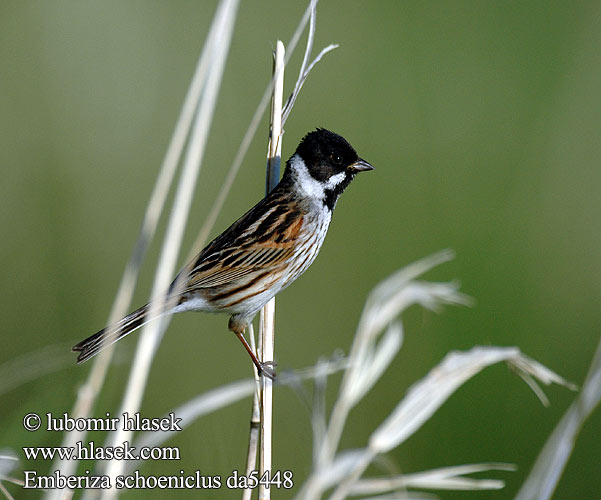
(262, 252)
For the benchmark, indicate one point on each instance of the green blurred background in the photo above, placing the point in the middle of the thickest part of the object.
(483, 120)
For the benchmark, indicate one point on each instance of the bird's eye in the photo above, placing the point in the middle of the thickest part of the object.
(336, 158)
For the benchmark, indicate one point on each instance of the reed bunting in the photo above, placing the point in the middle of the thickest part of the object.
(261, 253)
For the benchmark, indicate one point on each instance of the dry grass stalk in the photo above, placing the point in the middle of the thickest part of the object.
(88, 393)
(378, 338)
(218, 46)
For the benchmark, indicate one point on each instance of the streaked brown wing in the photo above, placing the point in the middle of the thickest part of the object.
(262, 240)
(246, 263)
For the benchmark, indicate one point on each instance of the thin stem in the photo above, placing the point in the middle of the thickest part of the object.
(268, 313)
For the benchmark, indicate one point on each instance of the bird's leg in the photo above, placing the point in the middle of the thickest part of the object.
(265, 368)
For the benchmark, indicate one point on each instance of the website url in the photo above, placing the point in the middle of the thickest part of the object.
(92, 452)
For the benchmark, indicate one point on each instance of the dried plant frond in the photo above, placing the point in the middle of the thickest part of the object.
(8, 462)
(425, 397)
(376, 361)
(409, 495)
(218, 45)
(384, 304)
(371, 351)
(306, 67)
(444, 478)
(529, 369)
(549, 465)
(203, 89)
(336, 471)
(395, 297)
(220, 397)
(378, 339)
(33, 365)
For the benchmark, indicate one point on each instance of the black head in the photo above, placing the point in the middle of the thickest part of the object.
(327, 154)
(323, 166)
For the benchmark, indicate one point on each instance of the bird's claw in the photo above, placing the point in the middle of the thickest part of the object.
(267, 368)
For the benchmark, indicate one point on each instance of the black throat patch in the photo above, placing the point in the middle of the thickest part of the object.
(331, 195)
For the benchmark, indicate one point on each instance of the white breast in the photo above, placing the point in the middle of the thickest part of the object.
(316, 230)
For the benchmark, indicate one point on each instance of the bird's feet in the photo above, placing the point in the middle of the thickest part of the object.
(267, 368)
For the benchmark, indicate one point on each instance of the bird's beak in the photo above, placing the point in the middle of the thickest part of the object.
(360, 165)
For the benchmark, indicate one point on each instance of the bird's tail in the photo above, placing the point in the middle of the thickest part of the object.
(94, 344)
